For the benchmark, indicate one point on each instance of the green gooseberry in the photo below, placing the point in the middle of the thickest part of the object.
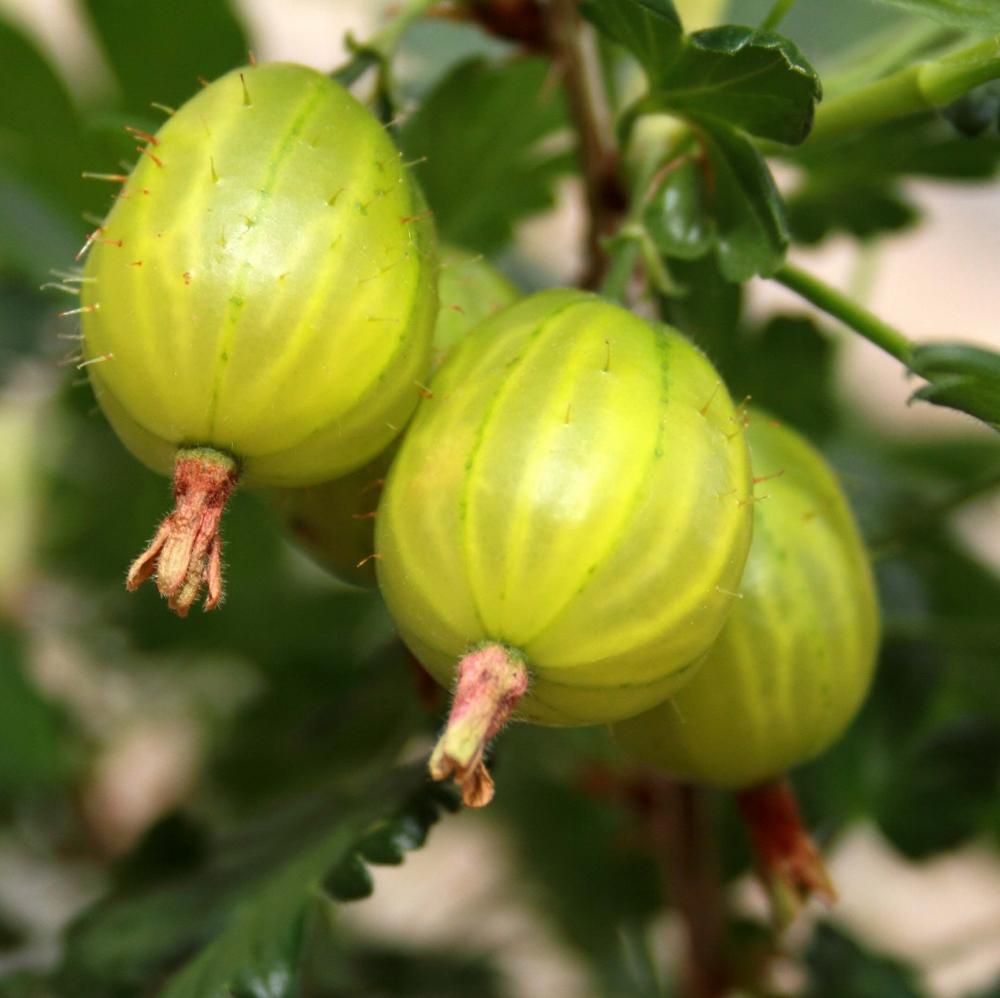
(259, 303)
(793, 664)
(566, 522)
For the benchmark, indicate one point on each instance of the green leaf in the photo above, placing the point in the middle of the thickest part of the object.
(650, 29)
(36, 232)
(340, 966)
(788, 370)
(598, 887)
(961, 377)
(756, 81)
(25, 984)
(945, 789)
(752, 234)
(241, 911)
(39, 126)
(159, 50)
(853, 186)
(841, 968)
(862, 210)
(729, 200)
(31, 751)
(476, 140)
(970, 15)
(708, 312)
(678, 218)
(923, 145)
(330, 717)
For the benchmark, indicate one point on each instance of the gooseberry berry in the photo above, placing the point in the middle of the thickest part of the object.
(789, 670)
(795, 659)
(259, 303)
(566, 522)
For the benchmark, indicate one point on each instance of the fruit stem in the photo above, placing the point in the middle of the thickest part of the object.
(788, 861)
(187, 549)
(491, 681)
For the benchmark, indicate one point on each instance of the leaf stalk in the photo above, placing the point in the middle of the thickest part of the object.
(852, 315)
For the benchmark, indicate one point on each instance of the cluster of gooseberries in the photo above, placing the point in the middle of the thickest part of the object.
(562, 491)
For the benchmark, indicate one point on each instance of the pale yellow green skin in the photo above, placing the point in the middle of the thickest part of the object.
(795, 659)
(470, 290)
(272, 296)
(332, 520)
(576, 489)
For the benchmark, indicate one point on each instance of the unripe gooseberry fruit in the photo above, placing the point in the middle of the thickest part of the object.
(334, 522)
(796, 657)
(258, 304)
(566, 522)
(789, 670)
(470, 289)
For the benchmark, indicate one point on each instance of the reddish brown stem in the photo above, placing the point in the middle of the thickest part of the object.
(491, 681)
(788, 860)
(676, 825)
(186, 552)
(687, 851)
(605, 198)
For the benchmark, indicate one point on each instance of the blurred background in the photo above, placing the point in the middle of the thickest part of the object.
(115, 717)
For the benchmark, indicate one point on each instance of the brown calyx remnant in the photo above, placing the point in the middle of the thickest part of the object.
(788, 860)
(187, 549)
(491, 681)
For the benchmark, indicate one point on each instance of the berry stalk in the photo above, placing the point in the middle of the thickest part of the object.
(186, 552)
(491, 681)
(788, 861)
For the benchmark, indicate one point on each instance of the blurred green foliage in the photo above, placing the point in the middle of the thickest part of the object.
(299, 787)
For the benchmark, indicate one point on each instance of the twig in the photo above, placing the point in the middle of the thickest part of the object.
(606, 201)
